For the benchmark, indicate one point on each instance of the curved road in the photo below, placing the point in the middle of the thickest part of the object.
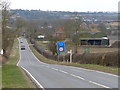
(60, 76)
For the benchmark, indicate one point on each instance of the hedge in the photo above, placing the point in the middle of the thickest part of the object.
(105, 59)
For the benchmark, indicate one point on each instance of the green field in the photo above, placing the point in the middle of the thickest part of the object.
(13, 76)
(88, 66)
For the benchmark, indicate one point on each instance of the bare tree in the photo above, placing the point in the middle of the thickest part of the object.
(20, 24)
(0, 25)
(7, 35)
(76, 26)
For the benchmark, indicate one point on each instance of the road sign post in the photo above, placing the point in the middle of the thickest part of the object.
(70, 52)
(70, 56)
(58, 56)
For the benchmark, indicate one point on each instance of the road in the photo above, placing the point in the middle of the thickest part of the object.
(60, 76)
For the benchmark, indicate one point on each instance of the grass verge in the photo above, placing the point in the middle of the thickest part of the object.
(112, 70)
(13, 76)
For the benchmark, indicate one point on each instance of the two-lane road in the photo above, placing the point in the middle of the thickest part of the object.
(60, 76)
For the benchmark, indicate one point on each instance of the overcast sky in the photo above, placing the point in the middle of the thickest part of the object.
(66, 5)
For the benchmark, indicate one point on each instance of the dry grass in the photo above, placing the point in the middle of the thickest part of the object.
(70, 45)
(98, 50)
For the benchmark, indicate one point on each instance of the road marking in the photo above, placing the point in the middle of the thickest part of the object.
(33, 78)
(99, 84)
(89, 81)
(77, 76)
(63, 71)
(67, 72)
(54, 69)
(28, 71)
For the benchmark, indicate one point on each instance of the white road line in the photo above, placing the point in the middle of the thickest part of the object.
(54, 69)
(99, 84)
(71, 74)
(77, 76)
(27, 71)
(33, 78)
(89, 81)
(63, 71)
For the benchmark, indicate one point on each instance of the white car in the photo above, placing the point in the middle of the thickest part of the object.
(1, 52)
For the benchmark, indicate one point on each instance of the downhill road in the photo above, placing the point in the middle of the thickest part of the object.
(60, 76)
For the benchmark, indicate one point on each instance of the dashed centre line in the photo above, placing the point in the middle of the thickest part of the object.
(63, 71)
(99, 84)
(54, 69)
(79, 77)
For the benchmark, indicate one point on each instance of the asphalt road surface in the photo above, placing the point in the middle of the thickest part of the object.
(60, 76)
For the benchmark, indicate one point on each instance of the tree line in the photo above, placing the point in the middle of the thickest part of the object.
(9, 27)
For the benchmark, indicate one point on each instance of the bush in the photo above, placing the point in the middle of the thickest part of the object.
(105, 59)
(32, 41)
(111, 59)
(46, 53)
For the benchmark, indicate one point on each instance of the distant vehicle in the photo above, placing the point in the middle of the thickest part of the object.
(22, 47)
(1, 52)
(21, 42)
(41, 36)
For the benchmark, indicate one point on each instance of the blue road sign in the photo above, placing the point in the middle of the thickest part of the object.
(60, 46)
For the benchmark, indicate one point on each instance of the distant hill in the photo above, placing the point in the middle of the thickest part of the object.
(38, 14)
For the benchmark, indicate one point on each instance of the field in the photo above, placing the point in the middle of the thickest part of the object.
(82, 49)
(98, 50)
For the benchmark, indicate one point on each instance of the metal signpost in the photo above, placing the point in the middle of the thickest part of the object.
(70, 52)
(70, 56)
